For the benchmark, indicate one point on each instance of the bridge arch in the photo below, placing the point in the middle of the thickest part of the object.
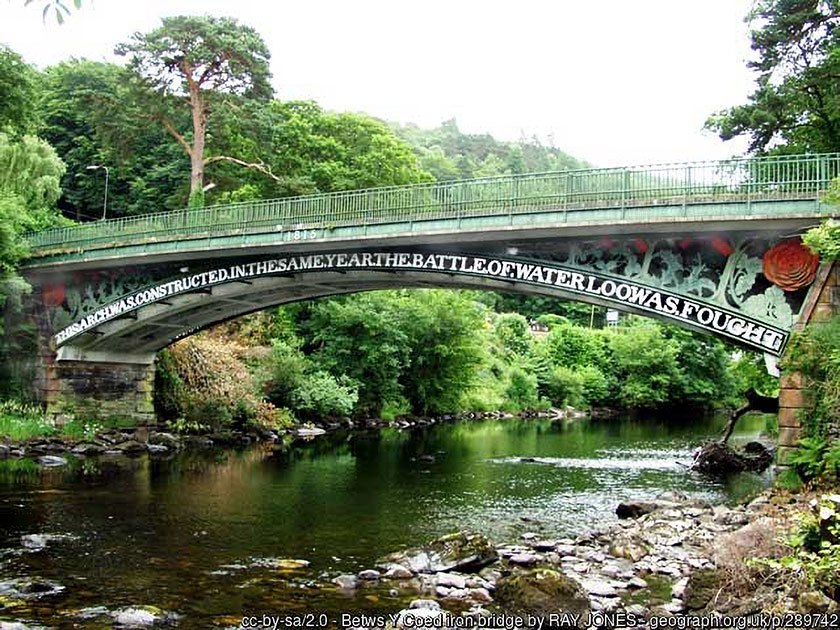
(141, 322)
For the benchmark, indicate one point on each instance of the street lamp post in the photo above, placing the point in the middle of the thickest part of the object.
(93, 167)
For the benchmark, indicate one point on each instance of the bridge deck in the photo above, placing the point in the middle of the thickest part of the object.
(751, 187)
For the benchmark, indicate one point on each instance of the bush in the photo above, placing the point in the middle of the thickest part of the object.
(521, 392)
(815, 353)
(647, 366)
(574, 346)
(596, 386)
(204, 381)
(320, 394)
(565, 387)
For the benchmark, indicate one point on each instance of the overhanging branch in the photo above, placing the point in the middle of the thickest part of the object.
(259, 166)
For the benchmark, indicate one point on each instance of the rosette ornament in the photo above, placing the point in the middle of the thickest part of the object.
(790, 265)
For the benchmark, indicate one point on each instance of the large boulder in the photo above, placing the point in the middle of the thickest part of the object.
(453, 552)
(541, 592)
(716, 458)
(635, 509)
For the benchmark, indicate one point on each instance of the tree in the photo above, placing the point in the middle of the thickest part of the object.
(30, 172)
(647, 366)
(89, 115)
(17, 93)
(311, 150)
(796, 105)
(197, 61)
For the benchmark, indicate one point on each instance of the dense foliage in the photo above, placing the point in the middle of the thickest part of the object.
(30, 172)
(795, 107)
(447, 153)
(815, 353)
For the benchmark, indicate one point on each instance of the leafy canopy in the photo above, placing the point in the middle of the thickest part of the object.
(18, 93)
(201, 52)
(796, 105)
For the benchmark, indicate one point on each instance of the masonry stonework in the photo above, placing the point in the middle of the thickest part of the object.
(91, 390)
(795, 397)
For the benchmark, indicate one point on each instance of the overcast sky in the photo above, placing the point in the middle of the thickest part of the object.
(613, 82)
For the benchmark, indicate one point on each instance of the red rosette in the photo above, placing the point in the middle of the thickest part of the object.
(790, 265)
(53, 295)
(722, 246)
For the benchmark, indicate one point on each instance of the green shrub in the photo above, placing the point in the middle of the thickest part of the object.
(393, 409)
(815, 458)
(815, 353)
(521, 392)
(596, 386)
(565, 387)
(320, 394)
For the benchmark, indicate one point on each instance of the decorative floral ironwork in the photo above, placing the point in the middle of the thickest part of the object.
(790, 265)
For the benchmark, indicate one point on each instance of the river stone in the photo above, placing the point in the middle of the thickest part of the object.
(635, 509)
(164, 439)
(398, 572)
(601, 588)
(5, 451)
(36, 542)
(17, 625)
(143, 617)
(157, 448)
(29, 588)
(702, 586)
(814, 602)
(369, 574)
(51, 461)
(88, 448)
(346, 582)
(540, 592)
(629, 549)
(307, 431)
(451, 580)
(131, 447)
(454, 552)
(636, 582)
(480, 595)
(525, 559)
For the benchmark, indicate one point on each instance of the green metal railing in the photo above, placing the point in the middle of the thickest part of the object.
(750, 179)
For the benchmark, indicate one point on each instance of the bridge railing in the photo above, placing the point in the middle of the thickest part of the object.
(778, 177)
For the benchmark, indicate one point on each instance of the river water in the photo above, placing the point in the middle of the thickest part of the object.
(197, 533)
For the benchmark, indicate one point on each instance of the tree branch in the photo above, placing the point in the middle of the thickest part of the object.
(171, 129)
(255, 165)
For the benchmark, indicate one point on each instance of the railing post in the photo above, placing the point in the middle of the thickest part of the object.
(686, 188)
(625, 188)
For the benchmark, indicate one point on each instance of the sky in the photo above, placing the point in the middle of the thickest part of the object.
(613, 82)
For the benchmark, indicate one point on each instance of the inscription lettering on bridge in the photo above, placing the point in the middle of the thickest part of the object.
(761, 336)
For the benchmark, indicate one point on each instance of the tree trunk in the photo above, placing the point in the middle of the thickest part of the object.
(197, 153)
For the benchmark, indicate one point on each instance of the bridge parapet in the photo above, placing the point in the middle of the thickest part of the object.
(639, 193)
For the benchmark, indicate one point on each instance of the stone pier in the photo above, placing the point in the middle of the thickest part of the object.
(795, 398)
(94, 387)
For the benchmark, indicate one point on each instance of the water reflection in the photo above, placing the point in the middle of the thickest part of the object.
(160, 530)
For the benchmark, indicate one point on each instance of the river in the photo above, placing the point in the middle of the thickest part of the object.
(196, 533)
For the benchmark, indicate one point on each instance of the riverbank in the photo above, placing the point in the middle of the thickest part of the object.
(677, 557)
(28, 435)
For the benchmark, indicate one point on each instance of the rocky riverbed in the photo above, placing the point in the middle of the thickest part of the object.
(674, 557)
